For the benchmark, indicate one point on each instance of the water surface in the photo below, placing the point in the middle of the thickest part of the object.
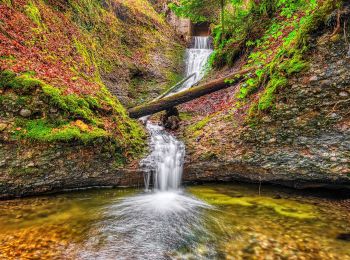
(199, 222)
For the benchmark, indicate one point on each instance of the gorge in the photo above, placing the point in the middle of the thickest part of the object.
(156, 129)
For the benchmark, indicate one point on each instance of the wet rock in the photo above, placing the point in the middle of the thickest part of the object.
(170, 119)
(172, 123)
(25, 112)
(55, 167)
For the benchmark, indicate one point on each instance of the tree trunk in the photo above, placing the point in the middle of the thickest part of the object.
(187, 95)
(222, 5)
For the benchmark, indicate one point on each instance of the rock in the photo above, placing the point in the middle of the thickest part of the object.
(272, 140)
(2, 127)
(325, 83)
(333, 115)
(31, 164)
(343, 94)
(266, 119)
(344, 236)
(313, 78)
(25, 112)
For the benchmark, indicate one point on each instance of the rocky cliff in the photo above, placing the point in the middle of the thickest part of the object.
(60, 64)
(303, 140)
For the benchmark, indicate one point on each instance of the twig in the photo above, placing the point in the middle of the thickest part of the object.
(338, 27)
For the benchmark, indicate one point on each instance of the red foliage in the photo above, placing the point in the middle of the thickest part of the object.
(214, 102)
(48, 51)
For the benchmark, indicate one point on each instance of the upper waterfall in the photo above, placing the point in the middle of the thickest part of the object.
(196, 58)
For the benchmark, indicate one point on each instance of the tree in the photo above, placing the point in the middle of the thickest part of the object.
(201, 10)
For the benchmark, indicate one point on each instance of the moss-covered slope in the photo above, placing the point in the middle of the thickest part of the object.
(59, 60)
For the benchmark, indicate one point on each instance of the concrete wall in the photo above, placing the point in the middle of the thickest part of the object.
(182, 26)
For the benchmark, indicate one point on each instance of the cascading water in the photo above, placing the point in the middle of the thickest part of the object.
(196, 60)
(166, 159)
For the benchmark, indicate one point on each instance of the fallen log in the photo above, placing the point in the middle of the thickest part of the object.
(187, 95)
(175, 87)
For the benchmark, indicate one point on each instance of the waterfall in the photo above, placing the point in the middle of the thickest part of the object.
(165, 162)
(196, 59)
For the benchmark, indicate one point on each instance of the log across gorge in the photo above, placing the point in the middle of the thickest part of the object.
(187, 95)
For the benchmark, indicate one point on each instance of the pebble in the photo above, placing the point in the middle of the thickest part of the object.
(31, 164)
(272, 140)
(313, 78)
(25, 112)
(343, 94)
(333, 115)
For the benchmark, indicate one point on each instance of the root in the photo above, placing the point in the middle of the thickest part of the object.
(338, 27)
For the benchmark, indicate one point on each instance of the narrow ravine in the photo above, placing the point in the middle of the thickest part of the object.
(164, 217)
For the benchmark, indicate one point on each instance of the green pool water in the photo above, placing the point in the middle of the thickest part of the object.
(201, 222)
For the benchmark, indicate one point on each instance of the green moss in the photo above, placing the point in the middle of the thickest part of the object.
(185, 116)
(209, 155)
(22, 83)
(44, 131)
(7, 2)
(275, 44)
(266, 99)
(7, 57)
(33, 12)
(294, 65)
(199, 125)
(127, 134)
(83, 51)
(72, 103)
(173, 78)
